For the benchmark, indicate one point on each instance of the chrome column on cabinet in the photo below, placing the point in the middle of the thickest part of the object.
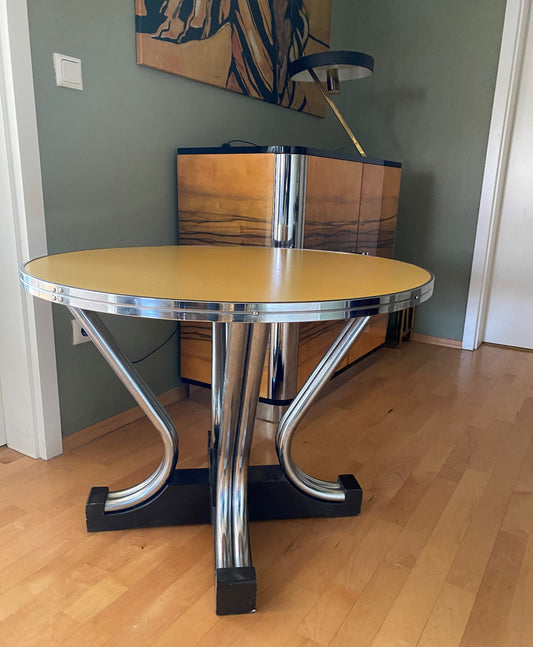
(290, 181)
(325, 490)
(283, 362)
(129, 376)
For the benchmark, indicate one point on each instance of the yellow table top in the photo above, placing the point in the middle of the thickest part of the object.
(220, 275)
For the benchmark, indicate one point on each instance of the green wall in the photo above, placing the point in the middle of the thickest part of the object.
(108, 166)
(428, 105)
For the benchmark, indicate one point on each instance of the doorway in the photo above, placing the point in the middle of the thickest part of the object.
(507, 92)
(30, 403)
(510, 299)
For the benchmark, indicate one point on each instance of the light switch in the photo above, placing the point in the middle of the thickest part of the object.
(68, 71)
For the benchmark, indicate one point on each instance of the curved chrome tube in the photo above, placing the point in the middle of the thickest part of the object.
(130, 377)
(326, 490)
(251, 386)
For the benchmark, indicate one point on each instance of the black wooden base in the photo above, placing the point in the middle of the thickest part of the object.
(186, 499)
(236, 590)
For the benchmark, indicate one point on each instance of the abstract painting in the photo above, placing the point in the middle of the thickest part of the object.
(240, 45)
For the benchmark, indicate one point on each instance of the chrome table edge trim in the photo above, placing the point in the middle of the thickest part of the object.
(190, 310)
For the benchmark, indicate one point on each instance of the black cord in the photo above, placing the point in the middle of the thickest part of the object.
(241, 141)
(159, 347)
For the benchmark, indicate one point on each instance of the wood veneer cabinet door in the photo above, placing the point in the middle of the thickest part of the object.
(332, 202)
(332, 205)
(195, 351)
(225, 199)
(380, 189)
(378, 211)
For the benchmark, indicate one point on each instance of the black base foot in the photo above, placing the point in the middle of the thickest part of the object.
(236, 590)
(186, 499)
(272, 496)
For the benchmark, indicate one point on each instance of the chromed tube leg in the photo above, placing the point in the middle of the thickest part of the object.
(325, 490)
(130, 377)
(245, 356)
(218, 368)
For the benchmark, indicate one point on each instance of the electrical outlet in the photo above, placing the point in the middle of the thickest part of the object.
(79, 336)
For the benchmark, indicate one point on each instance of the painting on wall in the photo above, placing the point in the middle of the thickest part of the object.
(240, 45)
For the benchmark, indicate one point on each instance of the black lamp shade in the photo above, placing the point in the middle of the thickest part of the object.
(349, 66)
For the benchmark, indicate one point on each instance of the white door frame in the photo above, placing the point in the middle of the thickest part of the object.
(3, 438)
(28, 375)
(503, 111)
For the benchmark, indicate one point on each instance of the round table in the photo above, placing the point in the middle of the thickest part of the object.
(240, 290)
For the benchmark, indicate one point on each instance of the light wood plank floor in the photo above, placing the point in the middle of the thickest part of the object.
(441, 555)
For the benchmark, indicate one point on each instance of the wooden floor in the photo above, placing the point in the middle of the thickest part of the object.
(441, 555)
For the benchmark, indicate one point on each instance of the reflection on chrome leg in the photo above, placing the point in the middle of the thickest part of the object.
(218, 368)
(245, 356)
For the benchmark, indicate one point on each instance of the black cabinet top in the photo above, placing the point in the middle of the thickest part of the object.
(287, 150)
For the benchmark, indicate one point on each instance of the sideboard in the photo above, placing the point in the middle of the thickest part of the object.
(284, 196)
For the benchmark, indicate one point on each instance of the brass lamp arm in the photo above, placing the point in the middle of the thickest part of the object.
(337, 112)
